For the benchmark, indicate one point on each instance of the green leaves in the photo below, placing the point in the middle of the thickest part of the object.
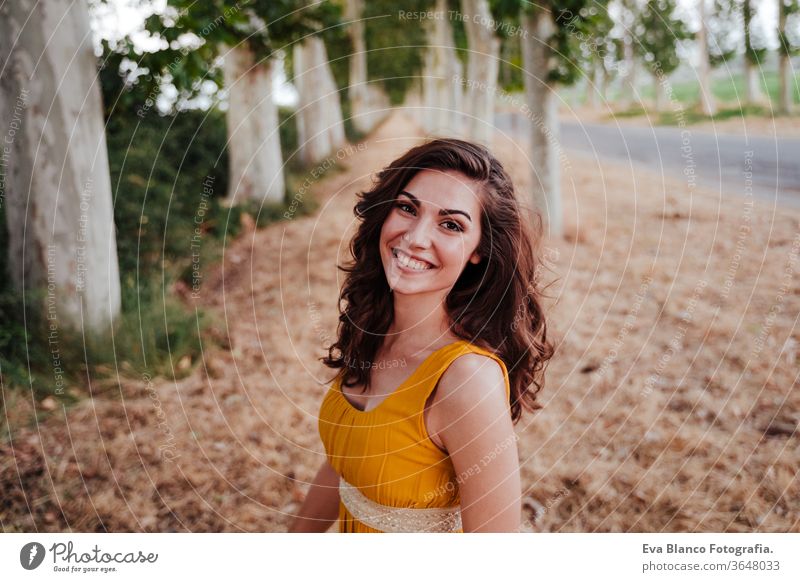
(193, 36)
(789, 15)
(661, 31)
(578, 23)
(394, 46)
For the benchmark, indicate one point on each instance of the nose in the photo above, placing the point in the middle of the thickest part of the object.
(418, 234)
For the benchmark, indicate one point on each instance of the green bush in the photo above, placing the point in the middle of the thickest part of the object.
(169, 176)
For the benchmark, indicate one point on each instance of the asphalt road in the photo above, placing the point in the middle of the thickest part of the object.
(732, 163)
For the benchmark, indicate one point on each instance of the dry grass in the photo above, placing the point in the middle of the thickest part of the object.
(670, 406)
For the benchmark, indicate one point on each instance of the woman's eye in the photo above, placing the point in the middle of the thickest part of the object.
(405, 207)
(455, 226)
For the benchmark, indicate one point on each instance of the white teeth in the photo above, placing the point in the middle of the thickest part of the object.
(410, 263)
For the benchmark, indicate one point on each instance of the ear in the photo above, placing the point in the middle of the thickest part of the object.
(475, 258)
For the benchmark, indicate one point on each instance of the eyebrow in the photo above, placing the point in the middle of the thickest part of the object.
(442, 212)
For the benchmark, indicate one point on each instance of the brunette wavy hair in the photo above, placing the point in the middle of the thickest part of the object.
(495, 304)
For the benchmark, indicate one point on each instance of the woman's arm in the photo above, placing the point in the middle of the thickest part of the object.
(478, 434)
(321, 506)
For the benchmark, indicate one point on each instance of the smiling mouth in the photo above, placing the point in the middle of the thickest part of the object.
(411, 264)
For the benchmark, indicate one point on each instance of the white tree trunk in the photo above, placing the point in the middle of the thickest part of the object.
(752, 75)
(254, 144)
(661, 93)
(785, 67)
(595, 87)
(440, 88)
(369, 105)
(482, 70)
(57, 187)
(707, 103)
(356, 92)
(320, 129)
(787, 85)
(630, 95)
(753, 92)
(543, 108)
(603, 83)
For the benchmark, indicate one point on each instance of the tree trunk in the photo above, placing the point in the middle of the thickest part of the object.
(753, 92)
(57, 186)
(707, 104)
(595, 88)
(482, 70)
(785, 66)
(787, 85)
(320, 129)
(631, 97)
(369, 105)
(440, 88)
(603, 84)
(661, 94)
(254, 144)
(543, 113)
(505, 62)
(357, 90)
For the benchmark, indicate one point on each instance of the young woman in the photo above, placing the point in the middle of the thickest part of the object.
(441, 344)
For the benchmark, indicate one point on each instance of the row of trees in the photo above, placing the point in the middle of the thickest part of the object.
(657, 35)
(727, 31)
(56, 188)
(554, 42)
(350, 61)
(547, 36)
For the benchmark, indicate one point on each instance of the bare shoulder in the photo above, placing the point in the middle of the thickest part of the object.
(471, 379)
(471, 393)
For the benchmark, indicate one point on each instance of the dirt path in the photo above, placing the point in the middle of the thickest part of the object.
(669, 406)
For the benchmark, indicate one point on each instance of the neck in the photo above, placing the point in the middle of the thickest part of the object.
(420, 322)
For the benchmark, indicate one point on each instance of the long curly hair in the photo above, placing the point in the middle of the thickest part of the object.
(495, 304)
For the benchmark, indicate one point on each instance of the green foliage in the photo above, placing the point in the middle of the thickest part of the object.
(158, 169)
(754, 46)
(789, 10)
(19, 324)
(722, 21)
(511, 66)
(731, 88)
(575, 25)
(460, 40)
(155, 333)
(727, 90)
(339, 48)
(659, 32)
(394, 45)
(601, 45)
(690, 115)
(695, 116)
(22, 334)
(510, 76)
(165, 226)
(193, 35)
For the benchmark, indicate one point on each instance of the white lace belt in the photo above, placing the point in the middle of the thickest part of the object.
(398, 519)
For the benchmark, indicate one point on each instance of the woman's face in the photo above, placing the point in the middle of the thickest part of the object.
(431, 232)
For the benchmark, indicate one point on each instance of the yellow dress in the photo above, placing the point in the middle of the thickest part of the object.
(386, 452)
